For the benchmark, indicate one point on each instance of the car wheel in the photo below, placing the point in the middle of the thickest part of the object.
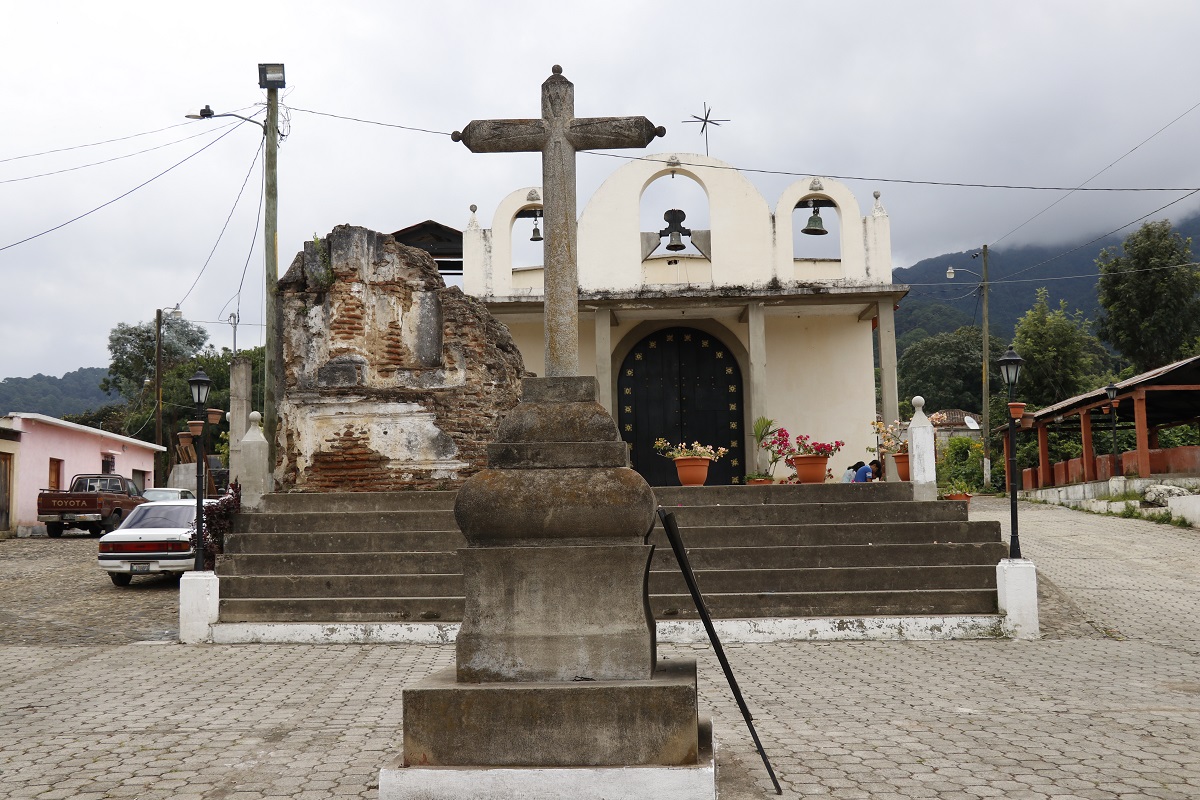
(120, 578)
(54, 529)
(111, 524)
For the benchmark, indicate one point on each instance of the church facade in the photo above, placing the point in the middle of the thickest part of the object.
(694, 346)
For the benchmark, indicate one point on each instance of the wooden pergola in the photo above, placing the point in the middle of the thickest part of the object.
(1162, 398)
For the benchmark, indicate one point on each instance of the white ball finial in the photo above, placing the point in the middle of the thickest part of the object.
(255, 417)
(918, 402)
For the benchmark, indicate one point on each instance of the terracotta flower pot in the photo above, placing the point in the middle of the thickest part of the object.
(692, 471)
(759, 481)
(809, 469)
(901, 465)
(959, 496)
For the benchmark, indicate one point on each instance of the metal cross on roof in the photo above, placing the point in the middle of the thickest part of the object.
(705, 121)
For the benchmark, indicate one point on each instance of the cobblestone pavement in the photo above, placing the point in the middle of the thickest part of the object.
(96, 701)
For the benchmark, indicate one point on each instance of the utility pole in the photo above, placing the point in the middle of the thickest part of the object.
(271, 78)
(159, 471)
(987, 430)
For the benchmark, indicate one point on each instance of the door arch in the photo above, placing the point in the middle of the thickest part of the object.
(683, 385)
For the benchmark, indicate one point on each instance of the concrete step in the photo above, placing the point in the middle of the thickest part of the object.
(833, 534)
(342, 609)
(882, 555)
(344, 542)
(300, 586)
(296, 502)
(383, 563)
(891, 579)
(783, 493)
(951, 602)
(819, 513)
(344, 521)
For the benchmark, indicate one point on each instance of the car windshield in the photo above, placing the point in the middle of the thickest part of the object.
(160, 517)
(168, 494)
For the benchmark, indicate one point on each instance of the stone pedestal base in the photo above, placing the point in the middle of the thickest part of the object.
(1016, 585)
(698, 782)
(556, 614)
(550, 724)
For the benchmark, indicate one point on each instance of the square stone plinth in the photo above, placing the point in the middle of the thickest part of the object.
(554, 724)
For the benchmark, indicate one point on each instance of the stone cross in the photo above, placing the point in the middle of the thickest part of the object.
(558, 135)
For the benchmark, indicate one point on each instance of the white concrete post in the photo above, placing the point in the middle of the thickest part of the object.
(199, 604)
(255, 467)
(1016, 585)
(922, 460)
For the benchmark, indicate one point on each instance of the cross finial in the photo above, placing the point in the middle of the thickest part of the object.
(705, 121)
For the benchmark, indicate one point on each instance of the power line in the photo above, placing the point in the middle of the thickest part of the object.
(227, 218)
(914, 182)
(1098, 174)
(106, 141)
(114, 158)
(369, 121)
(121, 196)
(1062, 277)
(245, 267)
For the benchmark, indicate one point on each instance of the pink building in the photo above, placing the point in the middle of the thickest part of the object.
(39, 452)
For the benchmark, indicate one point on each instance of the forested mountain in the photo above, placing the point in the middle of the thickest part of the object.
(937, 305)
(73, 393)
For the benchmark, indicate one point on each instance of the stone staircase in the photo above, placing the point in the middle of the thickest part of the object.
(837, 550)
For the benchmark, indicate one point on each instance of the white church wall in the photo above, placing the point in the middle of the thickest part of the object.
(820, 380)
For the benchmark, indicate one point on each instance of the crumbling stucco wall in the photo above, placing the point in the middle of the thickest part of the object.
(392, 380)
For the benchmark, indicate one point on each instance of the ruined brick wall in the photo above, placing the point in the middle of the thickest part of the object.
(392, 380)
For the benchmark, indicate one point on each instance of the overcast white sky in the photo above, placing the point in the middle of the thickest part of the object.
(1002, 93)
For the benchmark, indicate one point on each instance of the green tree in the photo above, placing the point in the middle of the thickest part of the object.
(132, 350)
(947, 369)
(1150, 297)
(1062, 357)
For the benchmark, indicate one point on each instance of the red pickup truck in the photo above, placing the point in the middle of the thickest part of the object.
(96, 503)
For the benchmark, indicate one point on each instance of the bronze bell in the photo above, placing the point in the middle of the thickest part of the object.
(537, 234)
(676, 241)
(814, 227)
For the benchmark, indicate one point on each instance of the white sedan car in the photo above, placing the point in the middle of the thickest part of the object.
(154, 538)
(160, 493)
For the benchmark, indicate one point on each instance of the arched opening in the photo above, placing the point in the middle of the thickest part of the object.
(684, 385)
(528, 231)
(816, 246)
(675, 192)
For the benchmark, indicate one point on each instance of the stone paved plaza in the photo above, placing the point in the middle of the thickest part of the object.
(97, 701)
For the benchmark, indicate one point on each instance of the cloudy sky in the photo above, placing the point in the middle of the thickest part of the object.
(1017, 93)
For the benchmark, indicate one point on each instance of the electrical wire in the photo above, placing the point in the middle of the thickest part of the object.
(114, 158)
(106, 141)
(1062, 277)
(369, 121)
(1098, 174)
(909, 181)
(121, 196)
(249, 254)
(245, 180)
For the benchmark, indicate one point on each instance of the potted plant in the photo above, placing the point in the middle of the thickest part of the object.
(811, 459)
(691, 460)
(892, 441)
(753, 478)
(764, 428)
(957, 489)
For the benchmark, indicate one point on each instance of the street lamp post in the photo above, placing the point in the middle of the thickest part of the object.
(200, 386)
(986, 412)
(1111, 392)
(271, 78)
(1010, 368)
(174, 313)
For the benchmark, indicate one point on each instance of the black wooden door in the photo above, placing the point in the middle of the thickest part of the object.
(5, 491)
(683, 385)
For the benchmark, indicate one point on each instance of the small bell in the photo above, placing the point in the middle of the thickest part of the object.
(814, 227)
(676, 242)
(537, 234)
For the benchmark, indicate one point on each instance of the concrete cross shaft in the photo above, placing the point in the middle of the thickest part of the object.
(558, 135)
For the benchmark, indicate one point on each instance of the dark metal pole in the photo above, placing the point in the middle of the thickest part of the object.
(1116, 456)
(200, 490)
(159, 458)
(1014, 545)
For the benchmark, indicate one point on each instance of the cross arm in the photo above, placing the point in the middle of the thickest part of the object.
(502, 135)
(611, 133)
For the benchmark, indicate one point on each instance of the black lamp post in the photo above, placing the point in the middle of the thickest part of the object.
(200, 385)
(1010, 368)
(1111, 391)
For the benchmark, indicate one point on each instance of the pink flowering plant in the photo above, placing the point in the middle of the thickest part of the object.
(778, 445)
(684, 450)
(805, 446)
